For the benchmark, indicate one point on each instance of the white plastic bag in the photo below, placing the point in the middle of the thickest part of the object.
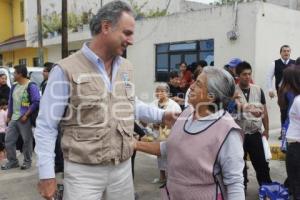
(268, 154)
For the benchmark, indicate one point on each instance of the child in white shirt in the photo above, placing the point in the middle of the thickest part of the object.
(3, 126)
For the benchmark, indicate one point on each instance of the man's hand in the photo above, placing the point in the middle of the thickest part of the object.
(266, 133)
(256, 111)
(47, 188)
(169, 118)
(24, 119)
(236, 96)
(271, 94)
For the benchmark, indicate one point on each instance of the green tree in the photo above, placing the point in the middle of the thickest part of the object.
(138, 9)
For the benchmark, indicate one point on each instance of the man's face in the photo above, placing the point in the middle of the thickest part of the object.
(285, 53)
(17, 76)
(121, 35)
(3, 79)
(45, 74)
(245, 77)
(175, 81)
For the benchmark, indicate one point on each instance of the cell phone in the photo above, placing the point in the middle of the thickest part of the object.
(59, 192)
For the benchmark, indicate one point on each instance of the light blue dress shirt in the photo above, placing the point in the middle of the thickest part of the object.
(53, 104)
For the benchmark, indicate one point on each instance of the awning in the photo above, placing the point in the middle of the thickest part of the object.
(13, 43)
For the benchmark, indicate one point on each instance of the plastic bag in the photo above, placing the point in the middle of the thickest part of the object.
(273, 191)
(268, 154)
(283, 146)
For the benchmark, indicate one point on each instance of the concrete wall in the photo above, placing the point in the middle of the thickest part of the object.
(205, 24)
(54, 51)
(275, 26)
(293, 4)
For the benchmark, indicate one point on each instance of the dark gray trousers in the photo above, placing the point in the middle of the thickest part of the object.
(16, 128)
(293, 168)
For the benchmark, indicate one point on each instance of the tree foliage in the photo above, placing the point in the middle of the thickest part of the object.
(140, 13)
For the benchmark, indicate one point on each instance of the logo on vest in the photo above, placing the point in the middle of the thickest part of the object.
(125, 78)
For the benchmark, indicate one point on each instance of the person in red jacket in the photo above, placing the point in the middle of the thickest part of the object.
(185, 77)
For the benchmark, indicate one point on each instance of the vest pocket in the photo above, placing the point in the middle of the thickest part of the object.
(85, 145)
(82, 85)
(85, 134)
(91, 113)
(127, 137)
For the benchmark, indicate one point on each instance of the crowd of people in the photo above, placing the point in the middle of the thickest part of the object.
(204, 124)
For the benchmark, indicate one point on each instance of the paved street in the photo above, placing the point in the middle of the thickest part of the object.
(21, 185)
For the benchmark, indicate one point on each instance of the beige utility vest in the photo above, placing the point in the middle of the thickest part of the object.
(192, 157)
(97, 127)
(249, 123)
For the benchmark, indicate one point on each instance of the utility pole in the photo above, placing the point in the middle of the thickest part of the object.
(64, 29)
(40, 35)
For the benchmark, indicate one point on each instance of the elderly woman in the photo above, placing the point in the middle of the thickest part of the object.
(163, 101)
(205, 148)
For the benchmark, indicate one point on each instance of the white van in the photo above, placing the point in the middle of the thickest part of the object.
(34, 73)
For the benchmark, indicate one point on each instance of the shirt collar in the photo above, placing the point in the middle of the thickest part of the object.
(213, 116)
(91, 56)
(287, 61)
(210, 117)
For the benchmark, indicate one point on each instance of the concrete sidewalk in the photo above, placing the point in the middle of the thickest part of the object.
(21, 185)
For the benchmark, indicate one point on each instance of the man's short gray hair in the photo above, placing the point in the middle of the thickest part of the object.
(220, 85)
(110, 12)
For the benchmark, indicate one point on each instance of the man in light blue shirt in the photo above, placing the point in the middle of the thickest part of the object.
(112, 30)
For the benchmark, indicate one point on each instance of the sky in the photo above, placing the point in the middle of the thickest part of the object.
(203, 1)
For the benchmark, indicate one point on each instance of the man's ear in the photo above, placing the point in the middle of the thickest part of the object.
(106, 26)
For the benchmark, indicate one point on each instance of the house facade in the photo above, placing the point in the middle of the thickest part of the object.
(13, 46)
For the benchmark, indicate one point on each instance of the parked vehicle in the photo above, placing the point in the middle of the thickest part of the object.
(35, 74)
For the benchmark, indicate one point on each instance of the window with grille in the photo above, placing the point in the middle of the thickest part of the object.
(170, 55)
(22, 61)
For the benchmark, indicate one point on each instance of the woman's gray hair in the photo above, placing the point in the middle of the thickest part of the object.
(109, 12)
(221, 85)
(163, 85)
